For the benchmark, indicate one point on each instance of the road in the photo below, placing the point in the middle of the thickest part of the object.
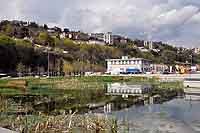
(164, 77)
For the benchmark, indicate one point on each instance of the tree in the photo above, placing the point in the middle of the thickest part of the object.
(44, 38)
(168, 57)
(45, 27)
(69, 45)
(8, 53)
(33, 25)
(20, 69)
(8, 30)
(25, 51)
(67, 68)
(23, 32)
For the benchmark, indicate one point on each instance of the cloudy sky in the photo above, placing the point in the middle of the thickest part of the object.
(173, 21)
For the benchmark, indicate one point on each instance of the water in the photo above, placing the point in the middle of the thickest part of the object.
(178, 115)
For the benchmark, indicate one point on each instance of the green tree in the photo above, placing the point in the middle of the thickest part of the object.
(8, 30)
(20, 69)
(67, 68)
(69, 45)
(45, 39)
(8, 53)
(25, 51)
(168, 57)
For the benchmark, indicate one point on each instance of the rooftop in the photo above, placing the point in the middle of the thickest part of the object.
(126, 58)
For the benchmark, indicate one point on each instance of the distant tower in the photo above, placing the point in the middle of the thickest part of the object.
(145, 43)
(108, 38)
(148, 44)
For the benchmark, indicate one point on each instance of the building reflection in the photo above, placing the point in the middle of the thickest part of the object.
(126, 90)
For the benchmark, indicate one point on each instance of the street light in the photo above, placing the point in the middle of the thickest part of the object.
(48, 61)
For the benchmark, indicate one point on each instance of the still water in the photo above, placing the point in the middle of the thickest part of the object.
(175, 116)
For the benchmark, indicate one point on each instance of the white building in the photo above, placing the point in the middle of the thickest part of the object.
(142, 49)
(98, 36)
(98, 42)
(63, 35)
(108, 38)
(128, 65)
(158, 68)
(148, 44)
(196, 50)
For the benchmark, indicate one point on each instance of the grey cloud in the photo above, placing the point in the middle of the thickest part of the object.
(175, 21)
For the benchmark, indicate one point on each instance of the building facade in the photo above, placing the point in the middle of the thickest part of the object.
(127, 65)
(148, 44)
(98, 42)
(117, 39)
(97, 36)
(158, 68)
(106, 37)
(196, 50)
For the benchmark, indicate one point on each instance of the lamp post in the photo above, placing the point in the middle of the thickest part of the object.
(48, 61)
(191, 65)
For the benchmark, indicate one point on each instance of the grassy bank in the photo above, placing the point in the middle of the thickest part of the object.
(61, 123)
(57, 85)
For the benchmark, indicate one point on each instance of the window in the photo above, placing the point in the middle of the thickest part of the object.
(128, 62)
(124, 62)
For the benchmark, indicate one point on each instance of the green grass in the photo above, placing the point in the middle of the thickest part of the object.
(10, 91)
(171, 85)
(112, 79)
(94, 82)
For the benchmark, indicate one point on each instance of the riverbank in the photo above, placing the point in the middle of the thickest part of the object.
(123, 78)
(73, 90)
(36, 100)
(61, 123)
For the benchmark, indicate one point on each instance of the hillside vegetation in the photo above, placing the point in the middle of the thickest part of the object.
(24, 49)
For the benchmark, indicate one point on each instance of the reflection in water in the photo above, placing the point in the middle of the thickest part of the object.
(127, 89)
(128, 95)
(108, 108)
(172, 116)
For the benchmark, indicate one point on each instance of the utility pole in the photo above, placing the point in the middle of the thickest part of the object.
(191, 67)
(48, 60)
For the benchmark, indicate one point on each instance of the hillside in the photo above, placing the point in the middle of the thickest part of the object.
(24, 48)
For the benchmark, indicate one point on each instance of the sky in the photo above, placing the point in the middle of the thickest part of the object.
(172, 21)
